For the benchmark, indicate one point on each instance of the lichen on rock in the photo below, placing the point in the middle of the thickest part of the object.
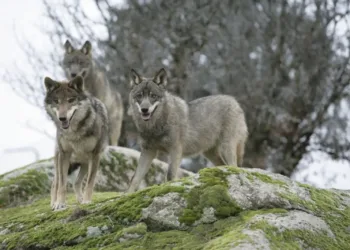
(117, 167)
(219, 208)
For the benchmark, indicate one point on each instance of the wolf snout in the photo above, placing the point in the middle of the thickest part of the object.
(144, 110)
(73, 75)
(63, 119)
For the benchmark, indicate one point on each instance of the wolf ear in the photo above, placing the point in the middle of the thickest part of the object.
(77, 83)
(86, 49)
(50, 84)
(161, 77)
(134, 78)
(68, 47)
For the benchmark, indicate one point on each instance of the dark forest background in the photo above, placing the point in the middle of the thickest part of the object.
(286, 62)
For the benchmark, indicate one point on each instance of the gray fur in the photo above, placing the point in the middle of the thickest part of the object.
(213, 125)
(82, 135)
(80, 62)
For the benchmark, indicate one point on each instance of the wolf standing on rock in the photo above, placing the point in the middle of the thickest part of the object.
(213, 125)
(82, 132)
(80, 62)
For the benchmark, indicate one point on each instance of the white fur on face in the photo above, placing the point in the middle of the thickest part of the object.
(152, 108)
(56, 112)
(71, 112)
(138, 106)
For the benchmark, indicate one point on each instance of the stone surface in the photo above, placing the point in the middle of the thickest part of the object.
(219, 208)
(164, 211)
(117, 167)
(93, 232)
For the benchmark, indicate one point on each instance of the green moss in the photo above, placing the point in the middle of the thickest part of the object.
(216, 236)
(23, 187)
(325, 204)
(39, 224)
(231, 233)
(139, 229)
(265, 178)
(186, 181)
(292, 239)
(211, 193)
(36, 226)
(213, 176)
(128, 207)
(114, 167)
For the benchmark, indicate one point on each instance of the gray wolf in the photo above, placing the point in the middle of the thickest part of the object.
(80, 62)
(213, 125)
(82, 134)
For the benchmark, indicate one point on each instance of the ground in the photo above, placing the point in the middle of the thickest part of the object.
(219, 208)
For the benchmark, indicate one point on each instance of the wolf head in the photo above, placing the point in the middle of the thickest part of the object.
(77, 61)
(147, 93)
(63, 99)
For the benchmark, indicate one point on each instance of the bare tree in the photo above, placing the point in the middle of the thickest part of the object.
(285, 61)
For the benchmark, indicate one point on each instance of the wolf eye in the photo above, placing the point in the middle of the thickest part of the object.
(55, 101)
(153, 96)
(70, 100)
(139, 96)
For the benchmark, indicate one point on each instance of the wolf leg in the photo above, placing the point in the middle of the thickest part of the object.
(175, 161)
(63, 163)
(142, 168)
(94, 164)
(115, 126)
(54, 186)
(213, 156)
(78, 185)
(240, 154)
(228, 152)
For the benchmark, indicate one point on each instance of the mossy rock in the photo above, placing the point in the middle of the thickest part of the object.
(117, 167)
(219, 208)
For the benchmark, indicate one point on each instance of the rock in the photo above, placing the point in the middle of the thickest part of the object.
(116, 170)
(93, 231)
(219, 208)
(5, 231)
(164, 211)
(294, 220)
(133, 232)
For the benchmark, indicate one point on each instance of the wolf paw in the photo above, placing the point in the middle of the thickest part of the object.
(59, 206)
(79, 198)
(130, 190)
(86, 202)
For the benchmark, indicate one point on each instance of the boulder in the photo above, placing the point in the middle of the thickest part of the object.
(117, 167)
(218, 208)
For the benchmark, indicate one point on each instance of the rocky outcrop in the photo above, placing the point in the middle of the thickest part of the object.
(219, 208)
(117, 167)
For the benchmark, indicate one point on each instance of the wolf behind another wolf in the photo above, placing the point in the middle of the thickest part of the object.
(80, 62)
(213, 125)
(82, 132)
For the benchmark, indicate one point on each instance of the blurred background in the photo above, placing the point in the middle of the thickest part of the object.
(286, 62)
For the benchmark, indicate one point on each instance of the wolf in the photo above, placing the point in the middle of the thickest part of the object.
(80, 62)
(213, 125)
(82, 135)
